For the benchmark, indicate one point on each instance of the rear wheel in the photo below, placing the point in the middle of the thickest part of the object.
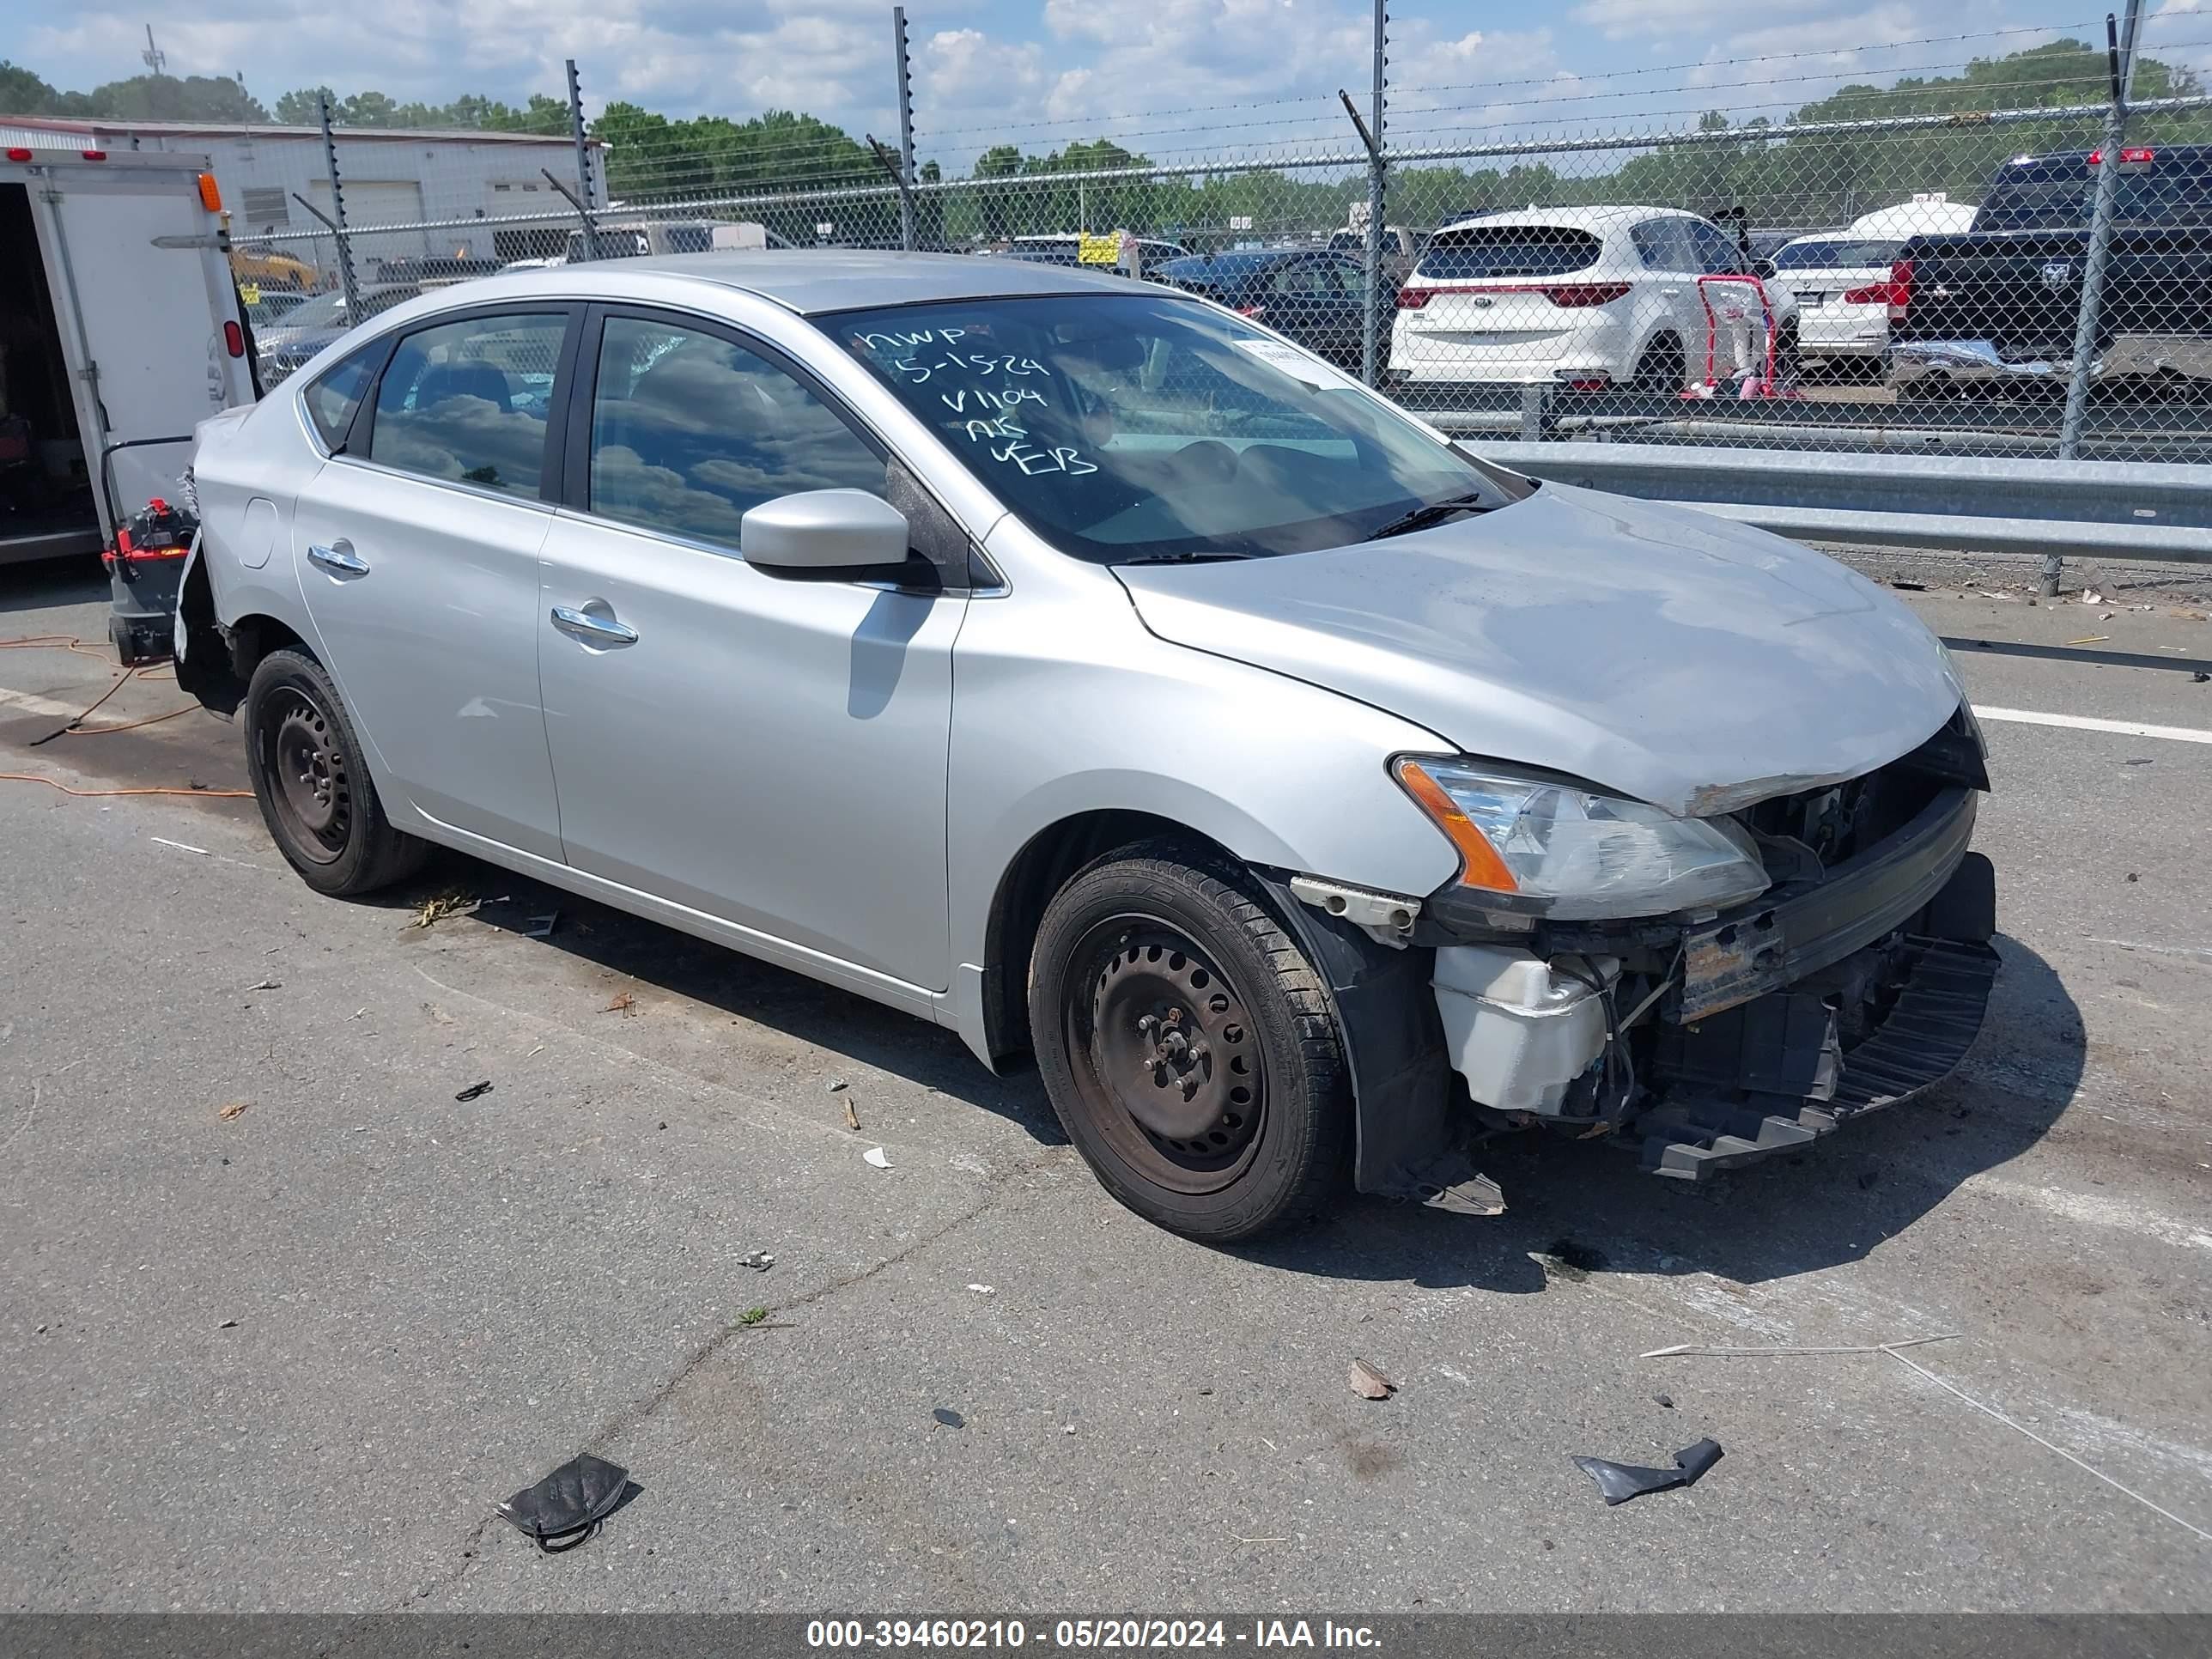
(1661, 370)
(314, 785)
(1189, 1047)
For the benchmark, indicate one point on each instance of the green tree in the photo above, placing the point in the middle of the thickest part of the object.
(303, 106)
(23, 93)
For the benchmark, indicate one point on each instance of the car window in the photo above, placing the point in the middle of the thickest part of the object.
(1303, 278)
(336, 393)
(1151, 427)
(1717, 251)
(1483, 251)
(467, 402)
(1661, 246)
(1340, 277)
(689, 430)
(1841, 255)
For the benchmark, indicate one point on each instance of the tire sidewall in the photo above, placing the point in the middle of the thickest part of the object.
(1299, 1097)
(293, 671)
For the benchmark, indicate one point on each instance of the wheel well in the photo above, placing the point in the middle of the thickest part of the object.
(1040, 870)
(252, 638)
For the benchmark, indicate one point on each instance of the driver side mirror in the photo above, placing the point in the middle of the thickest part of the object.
(1763, 269)
(824, 532)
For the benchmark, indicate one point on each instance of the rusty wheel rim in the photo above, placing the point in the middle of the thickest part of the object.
(305, 768)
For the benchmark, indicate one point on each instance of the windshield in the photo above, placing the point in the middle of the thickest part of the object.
(1148, 427)
(2057, 195)
(1837, 256)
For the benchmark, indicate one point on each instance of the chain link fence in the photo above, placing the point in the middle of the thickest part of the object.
(1995, 245)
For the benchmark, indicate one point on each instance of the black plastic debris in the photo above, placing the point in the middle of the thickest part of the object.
(565, 1509)
(1620, 1482)
(474, 1089)
(949, 1418)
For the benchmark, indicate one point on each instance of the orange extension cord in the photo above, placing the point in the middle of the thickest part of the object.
(74, 729)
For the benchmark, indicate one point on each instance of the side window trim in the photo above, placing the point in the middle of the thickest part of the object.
(362, 432)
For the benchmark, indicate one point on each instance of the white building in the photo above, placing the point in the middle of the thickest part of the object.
(443, 180)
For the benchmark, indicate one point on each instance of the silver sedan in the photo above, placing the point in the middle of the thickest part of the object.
(1086, 668)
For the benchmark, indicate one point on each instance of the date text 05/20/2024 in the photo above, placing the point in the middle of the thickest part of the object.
(1089, 1634)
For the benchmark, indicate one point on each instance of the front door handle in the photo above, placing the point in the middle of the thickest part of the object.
(594, 625)
(339, 558)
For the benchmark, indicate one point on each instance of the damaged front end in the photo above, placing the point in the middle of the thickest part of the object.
(1856, 978)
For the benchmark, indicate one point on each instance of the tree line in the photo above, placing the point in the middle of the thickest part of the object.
(1777, 176)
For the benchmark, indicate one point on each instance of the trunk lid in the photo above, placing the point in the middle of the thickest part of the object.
(1659, 652)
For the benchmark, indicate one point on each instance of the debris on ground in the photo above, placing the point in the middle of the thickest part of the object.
(752, 1316)
(226, 1112)
(852, 1117)
(227, 1325)
(1909, 587)
(760, 1261)
(267, 985)
(474, 1090)
(565, 1509)
(1666, 1401)
(623, 1004)
(1570, 1259)
(984, 1290)
(838, 1086)
(1620, 1482)
(542, 927)
(950, 1419)
(876, 1156)
(2091, 596)
(451, 902)
(2090, 639)
(1369, 1383)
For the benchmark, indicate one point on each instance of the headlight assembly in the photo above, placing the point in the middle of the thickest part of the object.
(1558, 849)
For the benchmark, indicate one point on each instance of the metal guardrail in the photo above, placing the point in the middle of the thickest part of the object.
(1968, 504)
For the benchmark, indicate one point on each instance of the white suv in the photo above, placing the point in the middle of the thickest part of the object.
(1592, 298)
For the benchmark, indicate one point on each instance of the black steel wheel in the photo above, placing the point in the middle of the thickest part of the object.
(313, 785)
(1189, 1047)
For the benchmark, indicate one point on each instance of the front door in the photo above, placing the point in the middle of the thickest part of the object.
(417, 554)
(767, 750)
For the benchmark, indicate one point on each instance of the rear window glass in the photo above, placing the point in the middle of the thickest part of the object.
(2057, 195)
(1508, 251)
(336, 393)
(1837, 255)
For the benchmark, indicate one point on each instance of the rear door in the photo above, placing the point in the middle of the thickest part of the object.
(142, 296)
(416, 549)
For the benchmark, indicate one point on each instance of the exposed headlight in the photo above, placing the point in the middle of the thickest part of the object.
(1562, 851)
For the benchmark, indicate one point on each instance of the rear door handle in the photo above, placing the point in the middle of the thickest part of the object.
(339, 558)
(594, 625)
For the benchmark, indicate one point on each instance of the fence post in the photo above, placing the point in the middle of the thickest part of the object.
(346, 281)
(583, 162)
(1371, 326)
(2123, 50)
(906, 126)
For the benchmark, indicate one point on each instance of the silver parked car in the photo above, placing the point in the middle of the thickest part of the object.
(1087, 669)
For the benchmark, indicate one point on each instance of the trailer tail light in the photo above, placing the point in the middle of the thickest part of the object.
(93, 154)
(210, 197)
(234, 339)
(1896, 293)
(16, 153)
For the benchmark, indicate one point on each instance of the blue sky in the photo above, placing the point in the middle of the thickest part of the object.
(1182, 77)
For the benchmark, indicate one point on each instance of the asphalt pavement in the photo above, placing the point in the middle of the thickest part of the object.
(283, 1319)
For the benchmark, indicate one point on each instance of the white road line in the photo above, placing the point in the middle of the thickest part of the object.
(32, 703)
(2091, 1210)
(2084, 723)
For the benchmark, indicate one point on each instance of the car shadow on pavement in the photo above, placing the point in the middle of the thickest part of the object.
(1589, 1207)
(836, 1021)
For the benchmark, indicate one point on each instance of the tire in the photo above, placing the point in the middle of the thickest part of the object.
(314, 785)
(1661, 370)
(1788, 366)
(1159, 982)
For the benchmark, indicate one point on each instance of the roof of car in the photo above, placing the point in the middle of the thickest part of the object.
(813, 280)
(1569, 218)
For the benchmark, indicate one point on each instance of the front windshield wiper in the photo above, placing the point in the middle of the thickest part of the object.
(1184, 558)
(1474, 501)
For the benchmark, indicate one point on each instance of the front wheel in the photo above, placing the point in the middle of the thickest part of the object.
(1188, 1046)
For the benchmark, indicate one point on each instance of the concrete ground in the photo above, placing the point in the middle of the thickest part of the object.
(280, 1319)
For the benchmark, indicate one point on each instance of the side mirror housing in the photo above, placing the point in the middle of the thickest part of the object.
(1763, 269)
(819, 532)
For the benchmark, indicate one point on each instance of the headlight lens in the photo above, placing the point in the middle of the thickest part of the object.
(1571, 853)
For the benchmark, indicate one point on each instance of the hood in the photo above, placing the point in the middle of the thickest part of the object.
(1658, 650)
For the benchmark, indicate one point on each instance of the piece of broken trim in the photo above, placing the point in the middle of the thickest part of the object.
(1620, 1482)
(474, 1090)
(1386, 917)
